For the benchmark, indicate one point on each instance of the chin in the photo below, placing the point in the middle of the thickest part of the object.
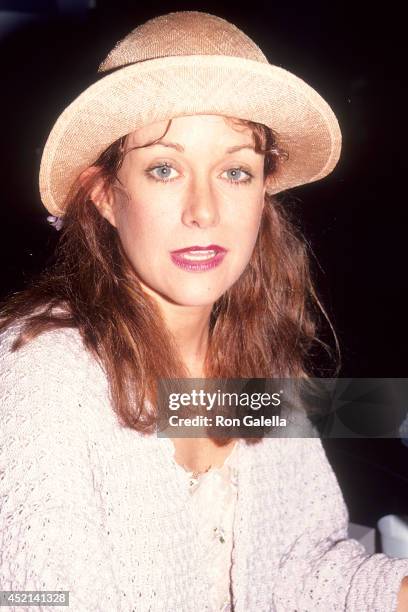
(195, 300)
(199, 292)
(182, 296)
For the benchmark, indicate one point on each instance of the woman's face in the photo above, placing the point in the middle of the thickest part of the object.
(201, 186)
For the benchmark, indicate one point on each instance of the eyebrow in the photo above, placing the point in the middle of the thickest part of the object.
(178, 147)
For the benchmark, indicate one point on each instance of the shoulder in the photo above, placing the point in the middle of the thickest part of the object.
(44, 375)
(50, 351)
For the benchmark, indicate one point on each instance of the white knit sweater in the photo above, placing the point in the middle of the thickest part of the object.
(102, 511)
(214, 495)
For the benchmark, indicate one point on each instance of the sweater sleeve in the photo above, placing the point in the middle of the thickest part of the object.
(51, 534)
(322, 568)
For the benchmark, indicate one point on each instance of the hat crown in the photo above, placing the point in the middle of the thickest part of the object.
(182, 33)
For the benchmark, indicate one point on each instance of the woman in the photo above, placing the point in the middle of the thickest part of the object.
(182, 145)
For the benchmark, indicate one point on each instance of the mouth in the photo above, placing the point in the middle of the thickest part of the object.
(199, 253)
(198, 258)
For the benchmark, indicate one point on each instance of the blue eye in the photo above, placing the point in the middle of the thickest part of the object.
(238, 175)
(161, 172)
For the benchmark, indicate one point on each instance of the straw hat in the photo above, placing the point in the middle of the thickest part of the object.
(188, 63)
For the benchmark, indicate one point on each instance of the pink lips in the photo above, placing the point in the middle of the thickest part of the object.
(198, 265)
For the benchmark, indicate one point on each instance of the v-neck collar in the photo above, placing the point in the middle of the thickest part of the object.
(250, 458)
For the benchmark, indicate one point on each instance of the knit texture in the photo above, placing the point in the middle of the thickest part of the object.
(102, 511)
(214, 496)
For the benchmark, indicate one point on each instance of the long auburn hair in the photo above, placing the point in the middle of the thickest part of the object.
(264, 326)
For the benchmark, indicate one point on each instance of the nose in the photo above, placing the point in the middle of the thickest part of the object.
(201, 208)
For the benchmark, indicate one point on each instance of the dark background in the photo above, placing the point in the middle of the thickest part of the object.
(354, 220)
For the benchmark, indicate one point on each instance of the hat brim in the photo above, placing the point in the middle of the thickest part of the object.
(164, 88)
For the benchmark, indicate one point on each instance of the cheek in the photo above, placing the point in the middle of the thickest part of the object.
(247, 224)
(142, 225)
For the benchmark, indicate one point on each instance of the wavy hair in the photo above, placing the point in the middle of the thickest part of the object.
(264, 326)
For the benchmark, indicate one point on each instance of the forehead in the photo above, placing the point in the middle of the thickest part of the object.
(194, 126)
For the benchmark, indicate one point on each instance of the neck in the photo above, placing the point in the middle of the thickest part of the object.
(189, 326)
